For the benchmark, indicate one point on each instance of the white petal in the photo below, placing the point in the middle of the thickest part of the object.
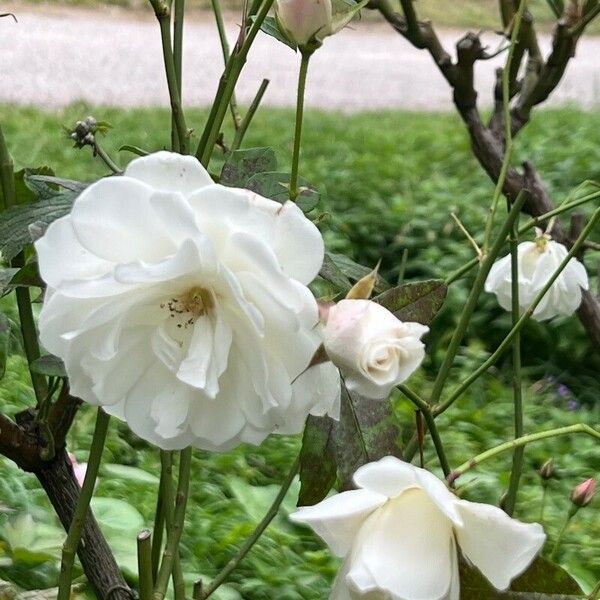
(500, 547)
(298, 244)
(391, 476)
(338, 518)
(407, 549)
(61, 256)
(169, 171)
(114, 219)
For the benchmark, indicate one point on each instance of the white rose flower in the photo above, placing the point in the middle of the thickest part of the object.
(398, 535)
(537, 262)
(372, 348)
(303, 20)
(181, 306)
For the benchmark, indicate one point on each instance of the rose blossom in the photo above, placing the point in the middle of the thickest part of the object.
(302, 20)
(398, 534)
(373, 349)
(181, 306)
(537, 261)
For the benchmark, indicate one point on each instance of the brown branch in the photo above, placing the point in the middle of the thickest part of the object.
(488, 142)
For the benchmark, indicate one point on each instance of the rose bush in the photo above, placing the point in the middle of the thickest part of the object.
(398, 535)
(181, 306)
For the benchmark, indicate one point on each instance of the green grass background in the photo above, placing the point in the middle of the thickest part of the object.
(389, 181)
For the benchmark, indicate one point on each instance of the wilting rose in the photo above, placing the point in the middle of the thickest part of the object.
(537, 261)
(181, 306)
(398, 534)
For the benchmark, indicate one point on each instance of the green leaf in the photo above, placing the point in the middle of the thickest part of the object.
(271, 27)
(318, 470)
(243, 164)
(117, 515)
(15, 222)
(6, 276)
(542, 577)
(67, 184)
(276, 186)
(130, 474)
(49, 365)
(4, 342)
(134, 149)
(28, 276)
(417, 301)
(366, 431)
(23, 194)
(351, 270)
(333, 274)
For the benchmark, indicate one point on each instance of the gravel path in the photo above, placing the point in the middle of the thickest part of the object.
(55, 56)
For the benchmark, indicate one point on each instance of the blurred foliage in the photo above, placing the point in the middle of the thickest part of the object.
(388, 182)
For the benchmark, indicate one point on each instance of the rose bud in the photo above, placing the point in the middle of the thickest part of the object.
(582, 495)
(372, 348)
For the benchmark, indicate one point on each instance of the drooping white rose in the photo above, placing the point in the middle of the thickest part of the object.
(398, 535)
(372, 348)
(304, 20)
(181, 306)
(537, 262)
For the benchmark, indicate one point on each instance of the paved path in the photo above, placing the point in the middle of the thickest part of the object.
(55, 56)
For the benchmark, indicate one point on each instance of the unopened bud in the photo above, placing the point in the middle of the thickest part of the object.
(91, 122)
(582, 495)
(547, 470)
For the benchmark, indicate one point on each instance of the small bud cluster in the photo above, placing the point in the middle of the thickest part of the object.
(84, 132)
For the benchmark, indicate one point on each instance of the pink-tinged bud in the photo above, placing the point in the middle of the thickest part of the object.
(582, 495)
(547, 470)
(304, 20)
(78, 469)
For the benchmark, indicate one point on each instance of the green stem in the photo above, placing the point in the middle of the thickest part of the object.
(249, 543)
(171, 551)
(473, 298)
(437, 442)
(585, 21)
(243, 127)
(517, 465)
(572, 512)
(543, 502)
(178, 62)
(26, 319)
(108, 161)
(522, 441)
(216, 6)
(227, 85)
(144, 552)
(521, 322)
(81, 510)
(159, 525)
(507, 123)
(298, 129)
(164, 20)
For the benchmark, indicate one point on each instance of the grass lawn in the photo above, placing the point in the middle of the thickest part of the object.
(388, 181)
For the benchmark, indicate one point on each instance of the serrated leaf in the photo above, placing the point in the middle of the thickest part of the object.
(241, 165)
(417, 301)
(271, 27)
(542, 577)
(318, 469)
(49, 365)
(276, 186)
(15, 222)
(336, 264)
(4, 342)
(134, 150)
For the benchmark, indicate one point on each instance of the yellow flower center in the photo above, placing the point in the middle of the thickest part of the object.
(190, 305)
